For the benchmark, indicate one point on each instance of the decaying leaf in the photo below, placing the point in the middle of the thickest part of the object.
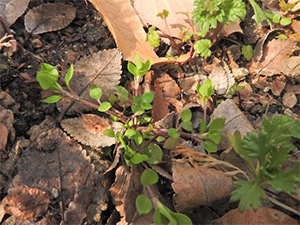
(49, 17)
(278, 85)
(235, 120)
(263, 216)
(102, 69)
(222, 78)
(25, 203)
(6, 127)
(276, 51)
(56, 164)
(289, 99)
(10, 11)
(88, 129)
(291, 67)
(147, 11)
(197, 176)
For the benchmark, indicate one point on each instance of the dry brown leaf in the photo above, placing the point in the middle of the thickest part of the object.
(7, 130)
(246, 92)
(232, 27)
(58, 165)
(263, 216)
(276, 51)
(49, 17)
(25, 203)
(296, 26)
(147, 11)
(88, 129)
(277, 85)
(289, 100)
(291, 67)
(102, 69)
(235, 120)
(10, 11)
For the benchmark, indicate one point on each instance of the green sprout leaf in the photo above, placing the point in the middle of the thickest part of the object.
(173, 133)
(205, 91)
(95, 92)
(259, 13)
(154, 152)
(188, 126)
(276, 18)
(104, 106)
(153, 37)
(247, 52)
(109, 133)
(202, 47)
(285, 21)
(164, 14)
(143, 204)
(209, 146)
(47, 78)
(149, 177)
(186, 115)
(132, 68)
(52, 99)
(122, 94)
(147, 97)
(69, 76)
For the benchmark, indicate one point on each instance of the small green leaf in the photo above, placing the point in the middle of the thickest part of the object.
(202, 47)
(160, 139)
(276, 18)
(202, 126)
(153, 37)
(132, 68)
(143, 204)
(154, 152)
(205, 90)
(217, 124)
(285, 21)
(171, 143)
(160, 219)
(138, 138)
(163, 14)
(149, 177)
(186, 115)
(122, 94)
(47, 78)
(173, 133)
(104, 106)
(69, 75)
(130, 133)
(295, 129)
(247, 52)
(188, 126)
(52, 99)
(109, 133)
(210, 146)
(95, 92)
(259, 13)
(138, 158)
(282, 36)
(147, 97)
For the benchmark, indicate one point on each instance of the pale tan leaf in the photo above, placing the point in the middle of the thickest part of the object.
(10, 11)
(49, 17)
(289, 100)
(276, 51)
(88, 129)
(263, 216)
(291, 67)
(147, 11)
(278, 84)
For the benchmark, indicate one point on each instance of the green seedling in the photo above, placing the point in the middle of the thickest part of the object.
(270, 149)
(205, 91)
(247, 52)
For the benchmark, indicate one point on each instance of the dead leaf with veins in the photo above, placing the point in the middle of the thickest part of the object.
(88, 129)
(49, 17)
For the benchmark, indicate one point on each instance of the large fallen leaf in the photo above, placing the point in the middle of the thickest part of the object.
(276, 51)
(102, 69)
(263, 216)
(10, 11)
(147, 11)
(49, 17)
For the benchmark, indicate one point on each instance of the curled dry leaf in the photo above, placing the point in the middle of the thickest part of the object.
(197, 176)
(10, 11)
(25, 203)
(263, 216)
(102, 69)
(88, 129)
(276, 51)
(58, 165)
(49, 17)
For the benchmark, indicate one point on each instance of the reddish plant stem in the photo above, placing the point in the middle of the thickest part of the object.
(172, 41)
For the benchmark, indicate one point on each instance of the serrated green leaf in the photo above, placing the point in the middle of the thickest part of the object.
(104, 106)
(209, 146)
(109, 133)
(259, 14)
(95, 92)
(52, 99)
(186, 115)
(154, 152)
(247, 52)
(202, 47)
(143, 204)
(173, 133)
(153, 37)
(69, 75)
(249, 194)
(148, 177)
(295, 129)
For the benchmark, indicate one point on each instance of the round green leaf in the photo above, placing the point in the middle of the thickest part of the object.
(52, 99)
(147, 97)
(109, 133)
(154, 152)
(143, 204)
(173, 133)
(149, 177)
(188, 126)
(186, 115)
(96, 92)
(285, 21)
(104, 106)
(209, 146)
